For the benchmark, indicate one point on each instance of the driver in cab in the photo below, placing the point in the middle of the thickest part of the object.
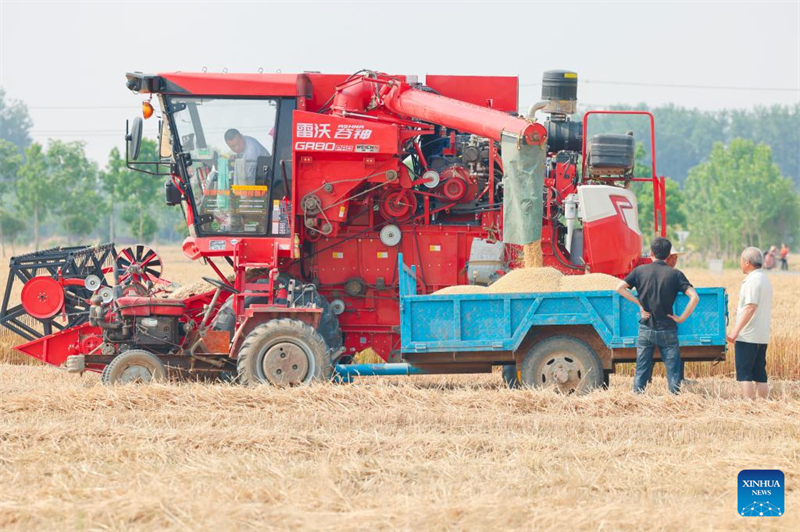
(247, 148)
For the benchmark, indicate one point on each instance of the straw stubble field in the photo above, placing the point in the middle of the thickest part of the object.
(440, 453)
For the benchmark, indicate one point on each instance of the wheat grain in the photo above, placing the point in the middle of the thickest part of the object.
(533, 254)
(461, 289)
(528, 280)
(588, 282)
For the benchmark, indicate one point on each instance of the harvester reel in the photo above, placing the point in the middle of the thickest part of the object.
(139, 264)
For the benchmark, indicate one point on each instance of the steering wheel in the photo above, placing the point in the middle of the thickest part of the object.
(216, 283)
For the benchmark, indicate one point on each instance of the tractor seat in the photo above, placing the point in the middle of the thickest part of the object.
(150, 306)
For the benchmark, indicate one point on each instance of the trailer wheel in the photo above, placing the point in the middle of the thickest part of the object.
(283, 352)
(510, 376)
(136, 365)
(565, 363)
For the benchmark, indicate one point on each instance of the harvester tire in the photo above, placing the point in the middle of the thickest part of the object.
(510, 376)
(284, 352)
(136, 365)
(565, 363)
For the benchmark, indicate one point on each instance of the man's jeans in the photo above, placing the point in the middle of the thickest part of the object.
(667, 343)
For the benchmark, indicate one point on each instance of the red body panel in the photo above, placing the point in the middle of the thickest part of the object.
(609, 245)
(497, 92)
(150, 306)
(55, 348)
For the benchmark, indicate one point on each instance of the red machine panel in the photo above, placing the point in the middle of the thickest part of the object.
(497, 92)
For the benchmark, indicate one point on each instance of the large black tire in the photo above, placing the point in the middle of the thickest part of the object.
(563, 362)
(284, 352)
(510, 376)
(328, 327)
(135, 365)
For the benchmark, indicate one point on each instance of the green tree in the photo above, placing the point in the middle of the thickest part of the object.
(11, 225)
(739, 198)
(140, 194)
(15, 122)
(35, 188)
(778, 127)
(78, 202)
(113, 180)
(10, 163)
(676, 215)
(684, 137)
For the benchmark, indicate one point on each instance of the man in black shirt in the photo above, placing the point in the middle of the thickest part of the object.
(657, 285)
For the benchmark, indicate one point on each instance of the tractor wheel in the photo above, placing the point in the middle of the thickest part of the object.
(136, 365)
(284, 352)
(510, 376)
(565, 363)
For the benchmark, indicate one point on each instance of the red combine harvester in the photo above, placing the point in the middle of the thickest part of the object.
(300, 191)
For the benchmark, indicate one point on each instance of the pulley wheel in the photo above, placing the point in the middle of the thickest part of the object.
(106, 294)
(42, 297)
(431, 178)
(355, 286)
(92, 283)
(454, 189)
(139, 264)
(400, 204)
(337, 306)
(311, 204)
(391, 235)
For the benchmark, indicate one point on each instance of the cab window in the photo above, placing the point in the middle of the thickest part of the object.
(231, 143)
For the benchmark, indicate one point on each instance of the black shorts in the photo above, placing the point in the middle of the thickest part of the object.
(751, 362)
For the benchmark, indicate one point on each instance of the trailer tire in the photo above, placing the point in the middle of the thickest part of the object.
(566, 363)
(283, 352)
(510, 376)
(135, 365)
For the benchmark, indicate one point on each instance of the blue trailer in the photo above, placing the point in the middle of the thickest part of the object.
(571, 340)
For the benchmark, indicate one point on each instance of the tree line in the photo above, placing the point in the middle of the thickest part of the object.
(732, 181)
(55, 193)
(686, 137)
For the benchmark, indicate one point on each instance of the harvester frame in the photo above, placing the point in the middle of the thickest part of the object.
(356, 171)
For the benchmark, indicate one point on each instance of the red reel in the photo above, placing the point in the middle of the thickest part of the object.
(139, 264)
(42, 297)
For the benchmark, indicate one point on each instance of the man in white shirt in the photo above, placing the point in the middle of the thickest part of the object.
(750, 335)
(246, 148)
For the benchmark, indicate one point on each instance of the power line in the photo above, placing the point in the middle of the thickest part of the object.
(79, 107)
(677, 86)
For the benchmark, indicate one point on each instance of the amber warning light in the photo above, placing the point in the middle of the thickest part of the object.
(147, 110)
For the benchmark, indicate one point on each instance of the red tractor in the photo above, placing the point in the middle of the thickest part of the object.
(300, 191)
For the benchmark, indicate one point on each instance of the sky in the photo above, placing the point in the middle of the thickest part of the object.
(67, 60)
